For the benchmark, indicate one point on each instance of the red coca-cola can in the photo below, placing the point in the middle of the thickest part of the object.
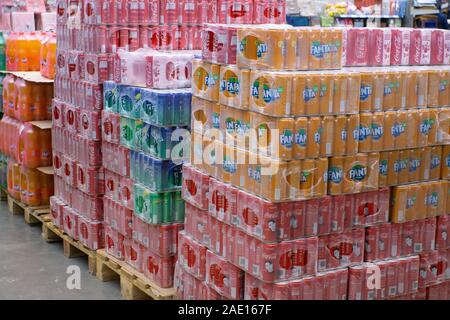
(297, 220)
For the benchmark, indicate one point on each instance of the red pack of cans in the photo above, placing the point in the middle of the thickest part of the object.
(192, 256)
(134, 254)
(87, 205)
(57, 113)
(188, 287)
(223, 277)
(57, 211)
(433, 266)
(112, 185)
(222, 201)
(98, 67)
(219, 43)
(110, 127)
(235, 11)
(90, 233)
(70, 222)
(442, 232)
(195, 187)
(196, 224)
(126, 192)
(341, 250)
(159, 269)
(89, 124)
(90, 180)
(118, 217)
(439, 291)
(87, 151)
(116, 158)
(114, 243)
(384, 279)
(69, 171)
(329, 285)
(269, 12)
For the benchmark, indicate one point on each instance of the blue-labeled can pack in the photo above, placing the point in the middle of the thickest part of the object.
(111, 96)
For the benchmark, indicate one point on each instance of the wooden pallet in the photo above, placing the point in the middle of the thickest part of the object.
(72, 248)
(32, 215)
(134, 285)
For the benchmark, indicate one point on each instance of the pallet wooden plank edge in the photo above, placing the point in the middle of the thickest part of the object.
(129, 274)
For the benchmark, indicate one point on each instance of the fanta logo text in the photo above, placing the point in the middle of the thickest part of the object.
(261, 49)
(435, 162)
(377, 131)
(383, 167)
(300, 137)
(309, 94)
(399, 165)
(410, 202)
(364, 133)
(358, 173)
(269, 94)
(319, 49)
(432, 199)
(335, 175)
(414, 164)
(210, 81)
(231, 85)
(398, 129)
(286, 139)
(229, 166)
(425, 126)
(365, 92)
(216, 120)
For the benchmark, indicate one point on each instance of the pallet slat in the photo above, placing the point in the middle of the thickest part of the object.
(134, 285)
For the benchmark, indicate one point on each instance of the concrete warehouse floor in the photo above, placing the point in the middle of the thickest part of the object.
(31, 268)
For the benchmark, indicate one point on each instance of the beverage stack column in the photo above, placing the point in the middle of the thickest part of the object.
(304, 207)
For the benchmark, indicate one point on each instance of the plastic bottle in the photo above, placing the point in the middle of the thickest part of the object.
(45, 148)
(29, 146)
(51, 57)
(22, 52)
(47, 188)
(2, 52)
(11, 49)
(10, 95)
(33, 187)
(34, 45)
(22, 110)
(23, 184)
(15, 192)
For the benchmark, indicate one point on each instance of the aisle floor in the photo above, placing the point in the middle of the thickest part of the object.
(31, 268)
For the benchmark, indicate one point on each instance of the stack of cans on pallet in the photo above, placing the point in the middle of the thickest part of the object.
(324, 184)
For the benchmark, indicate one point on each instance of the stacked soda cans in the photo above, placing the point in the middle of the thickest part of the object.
(325, 184)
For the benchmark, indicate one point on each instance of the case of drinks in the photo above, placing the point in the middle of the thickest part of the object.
(432, 269)
(90, 233)
(397, 277)
(159, 269)
(443, 229)
(192, 256)
(57, 211)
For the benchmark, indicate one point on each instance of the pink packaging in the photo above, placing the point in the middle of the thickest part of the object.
(110, 127)
(371, 244)
(159, 269)
(416, 47)
(126, 192)
(432, 268)
(400, 45)
(402, 276)
(123, 217)
(443, 232)
(69, 173)
(90, 124)
(166, 71)
(437, 46)
(149, 12)
(425, 53)
(90, 233)
(112, 245)
(357, 49)
(192, 256)
(412, 274)
(324, 216)
(70, 118)
(285, 221)
(112, 185)
(187, 12)
(134, 254)
(58, 164)
(163, 240)
(396, 240)
(90, 180)
(61, 11)
(312, 217)
(57, 211)
(195, 187)
(338, 214)
(384, 241)
(379, 47)
(223, 277)
(251, 290)
(446, 59)
(407, 236)
(98, 67)
(71, 222)
(140, 231)
(219, 44)
(269, 11)
(93, 98)
(356, 279)
(169, 12)
(235, 11)
(58, 112)
(429, 234)
(196, 224)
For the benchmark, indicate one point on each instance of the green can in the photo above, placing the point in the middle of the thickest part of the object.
(156, 208)
(178, 204)
(167, 207)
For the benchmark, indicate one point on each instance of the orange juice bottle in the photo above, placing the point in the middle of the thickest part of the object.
(23, 185)
(34, 187)
(11, 96)
(29, 144)
(11, 52)
(22, 53)
(34, 48)
(42, 94)
(24, 100)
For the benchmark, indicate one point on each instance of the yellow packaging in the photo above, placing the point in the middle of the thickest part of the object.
(422, 89)
(403, 163)
(326, 38)
(398, 209)
(435, 199)
(253, 173)
(341, 135)
(303, 49)
(414, 167)
(234, 87)
(320, 177)
(311, 94)
(433, 88)
(348, 185)
(373, 169)
(444, 89)
(435, 162)
(411, 203)
(228, 120)
(443, 126)
(366, 92)
(445, 162)
(205, 115)
(422, 190)
(308, 168)
(271, 93)
(326, 137)
(336, 62)
(377, 131)
(424, 128)
(229, 163)
(353, 92)
(205, 80)
(392, 174)
(326, 94)
(239, 179)
(382, 177)
(378, 91)
(313, 139)
(425, 164)
(293, 178)
(400, 129)
(315, 42)
(336, 175)
(411, 89)
(273, 184)
(389, 91)
(398, 90)
(364, 134)
(351, 134)
(290, 61)
(301, 132)
(433, 125)
(285, 128)
(389, 126)
(263, 126)
(441, 187)
(413, 128)
(340, 89)
(298, 102)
